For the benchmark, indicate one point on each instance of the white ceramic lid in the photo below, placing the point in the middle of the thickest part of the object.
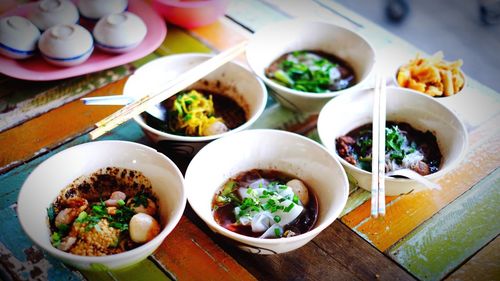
(18, 34)
(96, 9)
(53, 12)
(65, 41)
(119, 30)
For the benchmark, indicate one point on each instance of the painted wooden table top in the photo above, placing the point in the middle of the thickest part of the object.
(449, 234)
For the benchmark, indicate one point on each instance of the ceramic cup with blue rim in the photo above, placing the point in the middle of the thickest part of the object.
(48, 13)
(18, 37)
(119, 33)
(95, 9)
(66, 45)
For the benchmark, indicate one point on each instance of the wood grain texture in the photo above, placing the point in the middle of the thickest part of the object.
(74, 118)
(408, 211)
(146, 270)
(26, 99)
(335, 254)
(482, 266)
(51, 130)
(454, 234)
(221, 34)
(186, 249)
(190, 255)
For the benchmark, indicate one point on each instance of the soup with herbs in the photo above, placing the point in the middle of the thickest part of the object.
(405, 147)
(311, 71)
(265, 204)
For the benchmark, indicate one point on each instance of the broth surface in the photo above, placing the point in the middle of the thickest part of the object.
(225, 212)
(312, 71)
(406, 147)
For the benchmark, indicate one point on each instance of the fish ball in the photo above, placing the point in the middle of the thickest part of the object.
(300, 189)
(143, 228)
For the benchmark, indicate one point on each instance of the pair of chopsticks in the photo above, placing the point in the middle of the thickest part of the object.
(174, 86)
(378, 147)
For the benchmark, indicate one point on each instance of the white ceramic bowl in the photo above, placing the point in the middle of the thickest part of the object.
(48, 13)
(119, 33)
(18, 37)
(46, 181)
(231, 79)
(66, 45)
(345, 113)
(276, 39)
(96, 9)
(267, 149)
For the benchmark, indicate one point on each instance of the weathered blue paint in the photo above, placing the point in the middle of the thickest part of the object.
(12, 238)
(453, 234)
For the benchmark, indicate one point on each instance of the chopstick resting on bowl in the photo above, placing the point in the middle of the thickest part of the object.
(174, 86)
(378, 148)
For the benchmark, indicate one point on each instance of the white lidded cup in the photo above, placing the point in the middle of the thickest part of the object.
(96, 9)
(66, 45)
(119, 33)
(18, 37)
(48, 13)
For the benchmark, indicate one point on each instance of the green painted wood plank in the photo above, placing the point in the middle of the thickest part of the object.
(356, 198)
(11, 182)
(177, 41)
(143, 271)
(14, 244)
(484, 265)
(180, 41)
(454, 234)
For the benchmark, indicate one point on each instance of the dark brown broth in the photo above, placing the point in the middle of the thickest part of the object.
(349, 148)
(225, 217)
(347, 75)
(225, 107)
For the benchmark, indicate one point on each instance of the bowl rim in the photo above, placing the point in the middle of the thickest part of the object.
(240, 238)
(313, 95)
(248, 123)
(133, 254)
(441, 172)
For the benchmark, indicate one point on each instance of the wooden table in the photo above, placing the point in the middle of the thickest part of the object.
(448, 234)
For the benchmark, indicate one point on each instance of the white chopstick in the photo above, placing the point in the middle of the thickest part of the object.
(378, 148)
(174, 86)
(381, 147)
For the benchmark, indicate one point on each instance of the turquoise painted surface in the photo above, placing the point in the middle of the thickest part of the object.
(454, 234)
(28, 261)
(12, 238)
(12, 181)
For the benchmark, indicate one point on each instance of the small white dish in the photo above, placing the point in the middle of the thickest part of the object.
(18, 37)
(49, 13)
(96, 9)
(119, 33)
(66, 45)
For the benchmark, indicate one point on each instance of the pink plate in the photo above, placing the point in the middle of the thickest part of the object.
(37, 69)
